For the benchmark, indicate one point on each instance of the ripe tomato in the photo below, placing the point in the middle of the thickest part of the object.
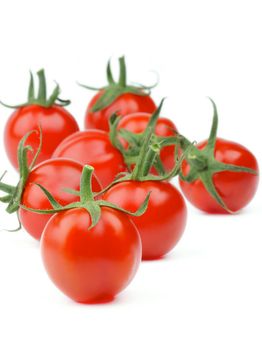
(93, 147)
(123, 105)
(235, 188)
(91, 265)
(56, 123)
(163, 223)
(137, 123)
(55, 175)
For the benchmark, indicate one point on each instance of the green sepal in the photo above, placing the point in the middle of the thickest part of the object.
(40, 99)
(114, 89)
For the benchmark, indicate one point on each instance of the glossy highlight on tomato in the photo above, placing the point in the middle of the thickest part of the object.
(91, 265)
(235, 188)
(93, 147)
(124, 104)
(56, 124)
(55, 175)
(164, 221)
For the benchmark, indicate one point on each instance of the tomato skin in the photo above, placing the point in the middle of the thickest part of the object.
(137, 123)
(56, 123)
(123, 105)
(163, 223)
(94, 148)
(54, 175)
(91, 266)
(236, 189)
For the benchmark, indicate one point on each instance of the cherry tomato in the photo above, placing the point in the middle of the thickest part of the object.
(124, 104)
(55, 175)
(163, 223)
(94, 148)
(56, 123)
(235, 188)
(137, 123)
(91, 265)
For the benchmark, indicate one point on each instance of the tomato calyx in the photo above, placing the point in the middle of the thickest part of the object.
(114, 89)
(136, 141)
(41, 98)
(203, 165)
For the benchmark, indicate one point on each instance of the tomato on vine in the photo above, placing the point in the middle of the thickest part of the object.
(128, 134)
(56, 175)
(163, 223)
(91, 249)
(48, 113)
(118, 97)
(218, 176)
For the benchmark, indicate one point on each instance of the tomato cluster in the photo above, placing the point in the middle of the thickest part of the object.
(100, 200)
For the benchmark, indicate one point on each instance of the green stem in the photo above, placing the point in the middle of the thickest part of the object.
(42, 86)
(86, 193)
(109, 74)
(150, 159)
(139, 167)
(122, 69)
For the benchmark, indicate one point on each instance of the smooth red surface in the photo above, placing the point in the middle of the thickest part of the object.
(54, 175)
(94, 148)
(236, 189)
(163, 223)
(137, 123)
(56, 123)
(123, 105)
(91, 266)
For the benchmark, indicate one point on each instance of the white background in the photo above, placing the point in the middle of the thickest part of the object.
(207, 293)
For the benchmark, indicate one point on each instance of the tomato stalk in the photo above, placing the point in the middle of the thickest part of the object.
(41, 99)
(14, 193)
(136, 141)
(203, 165)
(87, 201)
(116, 88)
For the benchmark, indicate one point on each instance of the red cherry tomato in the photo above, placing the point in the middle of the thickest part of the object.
(163, 223)
(94, 148)
(235, 188)
(91, 266)
(137, 123)
(125, 104)
(56, 123)
(55, 175)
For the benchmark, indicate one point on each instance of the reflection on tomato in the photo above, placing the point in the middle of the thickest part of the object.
(93, 147)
